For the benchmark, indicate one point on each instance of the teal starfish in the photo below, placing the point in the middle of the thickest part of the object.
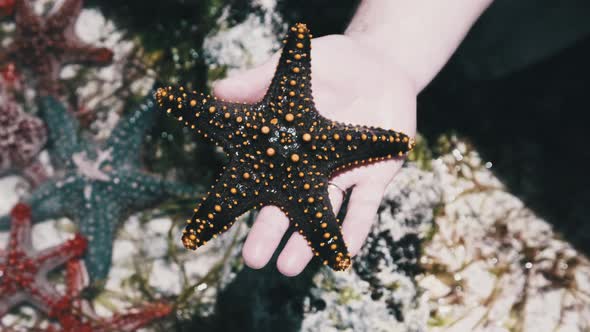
(98, 187)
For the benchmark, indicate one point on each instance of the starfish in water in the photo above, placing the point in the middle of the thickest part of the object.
(282, 152)
(98, 187)
(45, 45)
(23, 271)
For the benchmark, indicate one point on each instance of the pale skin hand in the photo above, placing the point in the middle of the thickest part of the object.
(355, 80)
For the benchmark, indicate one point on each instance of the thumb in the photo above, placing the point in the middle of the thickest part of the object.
(248, 86)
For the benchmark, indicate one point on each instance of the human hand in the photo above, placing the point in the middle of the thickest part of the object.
(352, 84)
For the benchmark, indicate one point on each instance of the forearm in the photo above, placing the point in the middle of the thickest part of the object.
(419, 36)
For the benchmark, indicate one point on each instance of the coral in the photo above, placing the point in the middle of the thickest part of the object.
(380, 293)
(494, 264)
(22, 136)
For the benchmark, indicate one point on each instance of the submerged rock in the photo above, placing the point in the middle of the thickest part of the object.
(452, 250)
(380, 292)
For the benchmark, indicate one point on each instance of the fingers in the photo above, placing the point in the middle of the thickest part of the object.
(361, 213)
(295, 256)
(336, 193)
(264, 237)
(247, 86)
(297, 253)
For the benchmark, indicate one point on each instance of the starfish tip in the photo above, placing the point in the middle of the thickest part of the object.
(343, 264)
(160, 310)
(302, 26)
(21, 211)
(102, 55)
(189, 240)
(79, 244)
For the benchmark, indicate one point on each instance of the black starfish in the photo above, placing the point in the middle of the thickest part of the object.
(282, 151)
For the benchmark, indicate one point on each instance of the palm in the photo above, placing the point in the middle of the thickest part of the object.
(351, 84)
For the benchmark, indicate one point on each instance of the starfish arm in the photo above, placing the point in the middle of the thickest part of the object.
(129, 135)
(129, 322)
(49, 200)
(55, 256)
(314, 219)
(19, 244)
(290, 89)
(46, 69)
(5, 223)
(20, 232)
(79, 52)
(75, 278)
(31, 282)
(345, 146)
(44, 205)
(139, 190)
(9, 301)
(62, 128)
(25, 16)
(210, 117)
(42, 294)
(65, 16)
(228, 199)
(98, 225)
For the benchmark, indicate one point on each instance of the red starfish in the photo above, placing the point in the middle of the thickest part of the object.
(6, 7)
(74, 316)
(23, 277)
(44, 45)
(23, 271)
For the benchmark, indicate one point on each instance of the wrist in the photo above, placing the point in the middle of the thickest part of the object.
(383, 55)
(371, 27)
(419, 36)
